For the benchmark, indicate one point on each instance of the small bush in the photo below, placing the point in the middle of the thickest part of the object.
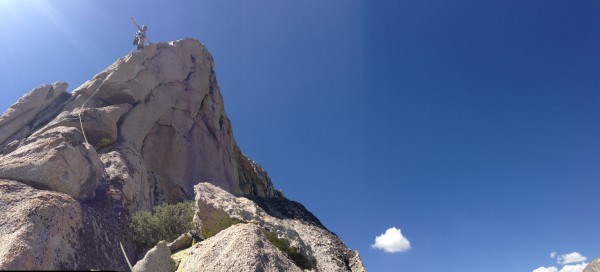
(166, 223)
(104, 142)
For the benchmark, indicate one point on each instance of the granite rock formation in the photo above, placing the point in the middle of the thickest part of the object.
(315, 248)
(242, 248)
(157, 121)
(75, 166)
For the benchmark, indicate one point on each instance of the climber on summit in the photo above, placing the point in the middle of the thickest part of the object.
(140, 36)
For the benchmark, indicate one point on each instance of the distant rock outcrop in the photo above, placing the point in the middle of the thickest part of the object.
(594, 266)
(17, 121)
(143, 132)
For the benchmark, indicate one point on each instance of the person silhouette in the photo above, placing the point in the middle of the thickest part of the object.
(140, 35)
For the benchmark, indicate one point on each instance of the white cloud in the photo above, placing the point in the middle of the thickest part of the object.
(553, 254)
(546, 269)
(574, 268)
(573, 257)
(392, 241)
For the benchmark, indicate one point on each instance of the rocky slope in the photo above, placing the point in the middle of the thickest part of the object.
(145, 131)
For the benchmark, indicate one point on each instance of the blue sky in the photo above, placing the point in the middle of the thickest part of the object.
(472, 126)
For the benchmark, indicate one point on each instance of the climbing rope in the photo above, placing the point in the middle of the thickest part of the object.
(81, 108)
(82, 131)
(79, 114)
(109, 197)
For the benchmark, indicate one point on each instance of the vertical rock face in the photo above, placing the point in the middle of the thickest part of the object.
(176, 132)
(156, 120)
(145, 131)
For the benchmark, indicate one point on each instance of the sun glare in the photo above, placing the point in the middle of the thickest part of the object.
(22, 20)
(27, 24)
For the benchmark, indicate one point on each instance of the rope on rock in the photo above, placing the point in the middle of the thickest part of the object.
(109, 198)
(81, 108)
(79, 114)
(125, 254)
(82, 131)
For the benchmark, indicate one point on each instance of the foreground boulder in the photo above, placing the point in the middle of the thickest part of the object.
(44, 230)
(58, 160)
(242, 247)
(157, 259)
(309, 244)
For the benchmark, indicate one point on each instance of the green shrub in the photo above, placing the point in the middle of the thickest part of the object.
(166, 223)
(104, 142)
